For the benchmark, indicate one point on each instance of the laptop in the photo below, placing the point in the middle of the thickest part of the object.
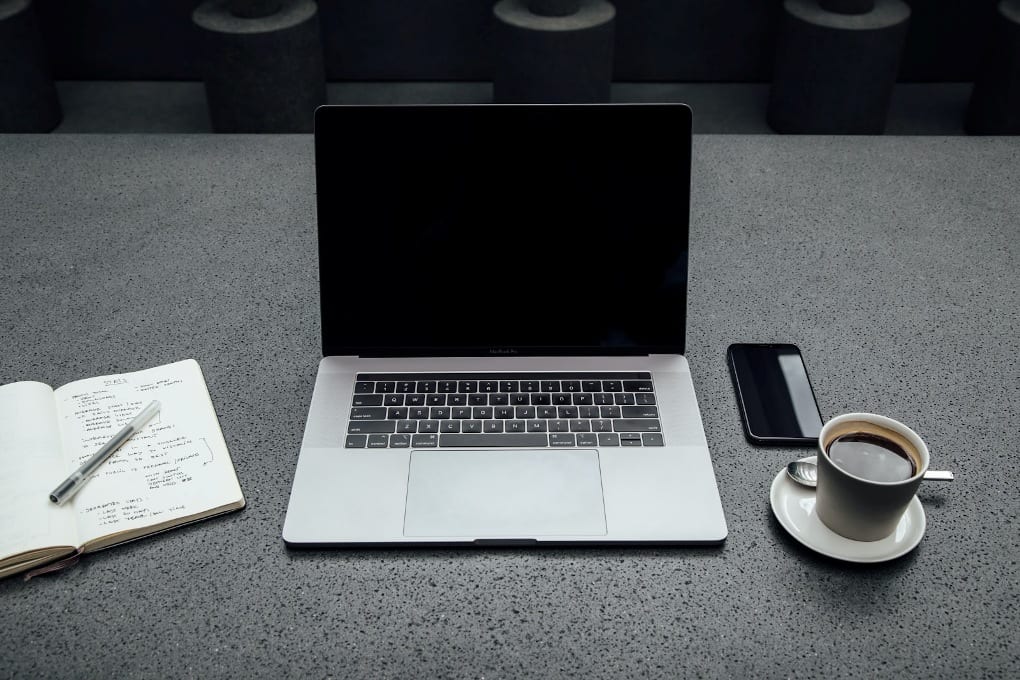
(503, 295)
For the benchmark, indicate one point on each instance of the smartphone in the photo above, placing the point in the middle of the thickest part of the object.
(775, 397)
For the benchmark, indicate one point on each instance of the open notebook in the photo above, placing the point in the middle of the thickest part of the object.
(174, 471)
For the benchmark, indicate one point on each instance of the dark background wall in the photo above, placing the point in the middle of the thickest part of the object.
(656, 40)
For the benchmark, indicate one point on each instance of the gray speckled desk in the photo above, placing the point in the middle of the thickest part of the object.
(891, 261)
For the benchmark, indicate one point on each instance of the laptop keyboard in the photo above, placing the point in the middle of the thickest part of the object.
(503, 410)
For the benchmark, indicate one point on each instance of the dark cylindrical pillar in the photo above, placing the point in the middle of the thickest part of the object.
(263, 65)
(836, 65)
(28, 97)
(995, 103)
(548, 51)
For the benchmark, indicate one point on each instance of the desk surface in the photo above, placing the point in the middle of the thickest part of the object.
(893, 263)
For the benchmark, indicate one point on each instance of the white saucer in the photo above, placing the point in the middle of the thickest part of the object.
(794, 507)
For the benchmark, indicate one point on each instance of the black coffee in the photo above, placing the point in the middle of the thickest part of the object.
(871, 457)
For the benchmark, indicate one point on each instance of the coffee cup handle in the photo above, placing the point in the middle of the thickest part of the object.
(938, 476)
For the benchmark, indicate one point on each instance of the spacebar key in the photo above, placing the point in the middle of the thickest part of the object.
(495, 439)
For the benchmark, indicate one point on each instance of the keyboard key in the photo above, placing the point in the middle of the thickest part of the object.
(640, 412)
(400, 441)
(559, 426)
(591, 385)
(624, 399)
(367, 400)
(603, 398)
(551, 386)
(529, 439)
(394, 400)
(637, 385)
(515, 425)
(386, 387)
(436, 400)
(566, 411)
(536, 426)
(524, 412)
(540, 399)
(530, 386)
(520, 399)
(509, 386)
(418, 413)
(587, 439)
(424, 441)
(504, 412)
(500, 399)
(407, 426)
(636, 425)
(481, 412)
(571, 386)
(612, 386)
(364, 387)
(630, 436)
(428, 426)
(371, 426)
(414, 400)
(602, 425)
(439, 412)
(587, 411)
(609, 439)
(582, 399)
(644, 398)
(561, 439)
(478, 399)
(580, 426)
(449, 426)
(456, 400)
(545, 412)
(488, 386)
(405, 387)
(473, 425)
(426, 386)
(493, 426)
(651, 439)
(461, 412)
(447, 386)
(356, 441)
(562, 399)
(467, 386)
(399, 413)
(378, 441)
(609, 411)
(368, 413)
(630, 442)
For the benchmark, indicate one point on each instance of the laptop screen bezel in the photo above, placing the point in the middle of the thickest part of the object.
(329, 120)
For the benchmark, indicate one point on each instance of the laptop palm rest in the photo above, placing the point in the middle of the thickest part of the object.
(504, 494)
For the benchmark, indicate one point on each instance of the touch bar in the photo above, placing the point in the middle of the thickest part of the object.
(552, 375)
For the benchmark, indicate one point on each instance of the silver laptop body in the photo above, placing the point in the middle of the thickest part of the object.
(503, 294)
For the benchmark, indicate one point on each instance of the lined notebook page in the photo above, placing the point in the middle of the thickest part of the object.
(31, 465)
(176, 466)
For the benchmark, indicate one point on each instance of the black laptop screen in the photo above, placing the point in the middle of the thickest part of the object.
(478, 230)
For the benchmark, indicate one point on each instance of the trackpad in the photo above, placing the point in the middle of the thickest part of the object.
(504, 494)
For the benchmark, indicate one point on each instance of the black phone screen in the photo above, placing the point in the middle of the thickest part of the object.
(775, 396)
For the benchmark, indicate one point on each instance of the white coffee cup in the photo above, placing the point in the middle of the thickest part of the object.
(852, 504)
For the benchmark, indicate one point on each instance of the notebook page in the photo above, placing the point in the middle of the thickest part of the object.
(176, 466)
(31, 466)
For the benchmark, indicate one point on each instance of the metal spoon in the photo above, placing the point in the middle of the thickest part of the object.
(803, 472)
